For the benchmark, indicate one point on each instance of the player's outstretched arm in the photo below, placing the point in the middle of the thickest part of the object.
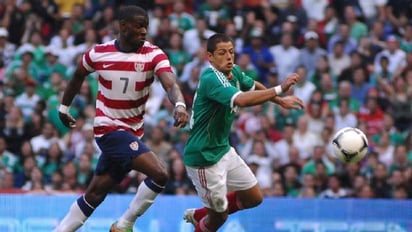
(175, 95)
(287, 102)
(72, 89)
(261, 95)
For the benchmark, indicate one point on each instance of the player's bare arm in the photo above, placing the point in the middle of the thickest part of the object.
(175, 95)
(260, 96)
(287, 102)
(72, 89)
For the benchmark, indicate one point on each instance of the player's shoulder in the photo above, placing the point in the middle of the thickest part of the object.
(236, 70)
(104, 46)
(149, 47)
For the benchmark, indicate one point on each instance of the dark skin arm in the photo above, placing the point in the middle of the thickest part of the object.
(168, 81)
(72, 89)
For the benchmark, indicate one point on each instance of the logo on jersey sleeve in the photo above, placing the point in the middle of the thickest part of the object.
(134, 145)
(139, 66)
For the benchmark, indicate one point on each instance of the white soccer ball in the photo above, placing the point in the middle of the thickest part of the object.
(350, 145)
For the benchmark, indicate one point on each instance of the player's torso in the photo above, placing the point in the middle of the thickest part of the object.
(124, 76)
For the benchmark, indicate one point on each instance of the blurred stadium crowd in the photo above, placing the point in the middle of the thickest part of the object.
(354, 58)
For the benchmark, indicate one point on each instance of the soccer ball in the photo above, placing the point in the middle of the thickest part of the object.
(350, 145)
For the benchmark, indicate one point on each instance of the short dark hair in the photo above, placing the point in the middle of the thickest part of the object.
(128, 12)
(215, 39)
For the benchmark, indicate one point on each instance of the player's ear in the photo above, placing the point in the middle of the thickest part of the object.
(209, 55)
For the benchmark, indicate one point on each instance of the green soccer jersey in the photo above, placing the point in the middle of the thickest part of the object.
(213, 112)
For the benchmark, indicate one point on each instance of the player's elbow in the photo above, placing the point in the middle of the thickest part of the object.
(241, 101)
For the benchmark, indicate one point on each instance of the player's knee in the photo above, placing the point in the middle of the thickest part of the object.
(161, 177)
(220, 204)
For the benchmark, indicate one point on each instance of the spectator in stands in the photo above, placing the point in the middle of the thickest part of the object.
(285, 56)
(15, 130)
(334, 190)
(305, 140)
(395, 56)
(215, 13)
(28, 100)
(318, 155)
(304, 88)
(180, 20)
(245, 64)
(259, 53)
(311, 52)
(178, 183)
(344, 117)
(271, 15)
(338, 60)
(365, 192)
(194, 38)
(290, 181)
(329, 24)
(358, 29)
(178, 57)
(41, 143)
(379, 181)
(84, 170)
(343, 35)
(7, 49)
(8, 160)
(400, 104)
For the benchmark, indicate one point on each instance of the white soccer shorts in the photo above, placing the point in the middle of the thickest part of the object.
(212, 183)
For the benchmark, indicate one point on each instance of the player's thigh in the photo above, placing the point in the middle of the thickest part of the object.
(149, 164)
(210, 184)
(239, 176)
(121, 152)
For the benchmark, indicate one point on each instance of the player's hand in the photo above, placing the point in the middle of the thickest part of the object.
(181, 116)
(290, 102)
(290, 81)
(67, 120)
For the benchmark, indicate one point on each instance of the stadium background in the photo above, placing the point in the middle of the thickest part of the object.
(355, 58)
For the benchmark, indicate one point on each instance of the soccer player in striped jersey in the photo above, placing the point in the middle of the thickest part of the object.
(222, 179)
(126, 68)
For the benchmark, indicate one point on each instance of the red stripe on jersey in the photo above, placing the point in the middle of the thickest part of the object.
(141, 84)
(106, 83)
(158, 58)
(124, 66)
(112, 48)
(131, 120)
(105, 48)
(166, 69)
(122, 104)
(100, 130)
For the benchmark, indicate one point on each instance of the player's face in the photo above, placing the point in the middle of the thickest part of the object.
(223, 57)
(134, 32)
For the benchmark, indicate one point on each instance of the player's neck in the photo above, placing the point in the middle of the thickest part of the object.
(124, 47)
(226, 74)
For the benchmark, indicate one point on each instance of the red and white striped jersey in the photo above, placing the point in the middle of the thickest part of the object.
(124, 84)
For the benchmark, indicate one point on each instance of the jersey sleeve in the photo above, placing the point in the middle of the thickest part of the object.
(219, 89)
(87, 62)
(161, 62)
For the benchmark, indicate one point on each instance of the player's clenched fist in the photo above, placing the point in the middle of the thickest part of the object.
(291, 80)
(65, 117)
(180, 115)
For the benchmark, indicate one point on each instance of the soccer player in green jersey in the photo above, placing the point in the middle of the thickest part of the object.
(222, 179)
